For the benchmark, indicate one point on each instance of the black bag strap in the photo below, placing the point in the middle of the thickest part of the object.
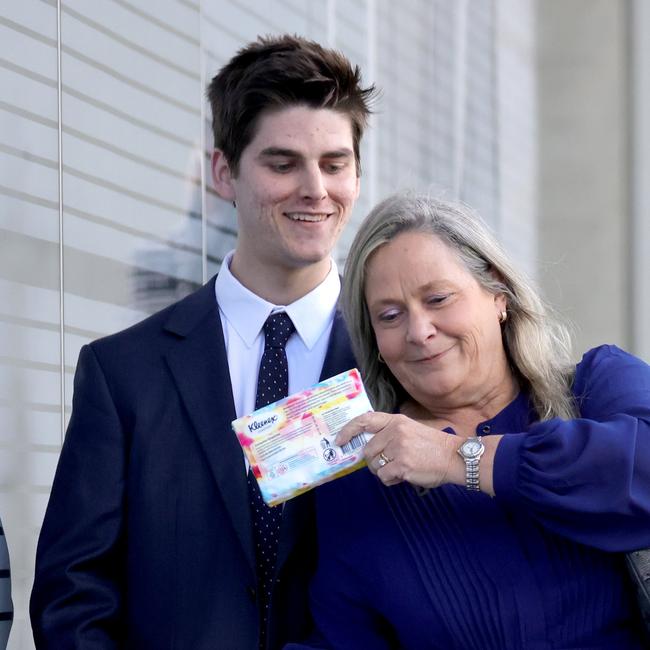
(638, 563)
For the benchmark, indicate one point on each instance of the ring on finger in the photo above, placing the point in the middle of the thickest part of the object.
(383, 459)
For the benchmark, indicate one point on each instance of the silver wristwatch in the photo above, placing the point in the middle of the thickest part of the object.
(471, 451)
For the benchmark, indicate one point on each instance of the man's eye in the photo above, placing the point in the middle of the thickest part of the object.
(334, 168)
(282, 167)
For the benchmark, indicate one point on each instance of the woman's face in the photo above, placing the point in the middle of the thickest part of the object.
(437, 329)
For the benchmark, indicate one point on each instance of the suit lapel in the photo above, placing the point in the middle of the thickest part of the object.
(199, 364)
(298, 513)
(339, 357)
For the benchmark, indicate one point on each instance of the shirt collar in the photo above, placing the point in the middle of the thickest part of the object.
(246, 312)
(516, 416)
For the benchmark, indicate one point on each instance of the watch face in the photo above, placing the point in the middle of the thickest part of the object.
(471, 448)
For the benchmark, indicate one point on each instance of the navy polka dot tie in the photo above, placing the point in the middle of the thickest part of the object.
(272, 385)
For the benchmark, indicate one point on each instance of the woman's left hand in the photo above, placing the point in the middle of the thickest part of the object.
(403, 449)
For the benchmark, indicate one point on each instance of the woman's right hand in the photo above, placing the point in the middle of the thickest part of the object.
(403, 449)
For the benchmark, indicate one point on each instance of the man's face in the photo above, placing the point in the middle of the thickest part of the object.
(294, 191)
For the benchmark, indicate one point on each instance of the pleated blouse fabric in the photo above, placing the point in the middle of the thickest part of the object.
(538, 567)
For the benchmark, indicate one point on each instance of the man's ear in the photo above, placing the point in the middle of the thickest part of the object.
(222, 176)
(358, 188)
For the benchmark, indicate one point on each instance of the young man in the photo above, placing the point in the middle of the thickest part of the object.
(155, 535)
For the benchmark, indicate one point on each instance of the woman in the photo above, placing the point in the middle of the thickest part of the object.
(510, 480)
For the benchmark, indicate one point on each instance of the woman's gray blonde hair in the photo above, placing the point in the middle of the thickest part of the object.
(537, 345)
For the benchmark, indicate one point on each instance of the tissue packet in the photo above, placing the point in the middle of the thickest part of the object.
(290, 443)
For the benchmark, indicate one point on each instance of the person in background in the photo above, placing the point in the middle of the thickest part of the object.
(155, 534)
(504, 482)
(6, 605)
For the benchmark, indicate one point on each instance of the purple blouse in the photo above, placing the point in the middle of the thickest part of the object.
(540, 566)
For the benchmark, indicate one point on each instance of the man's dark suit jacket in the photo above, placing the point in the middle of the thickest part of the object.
(147, 538)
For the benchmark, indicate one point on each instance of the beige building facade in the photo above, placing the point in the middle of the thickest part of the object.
(594, 180)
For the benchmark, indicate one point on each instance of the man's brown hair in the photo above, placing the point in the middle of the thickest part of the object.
(275, 72)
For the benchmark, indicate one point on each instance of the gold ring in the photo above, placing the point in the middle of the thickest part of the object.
(383, 459)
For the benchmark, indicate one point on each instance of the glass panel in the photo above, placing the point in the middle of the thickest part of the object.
(131, 182)
(30, 365)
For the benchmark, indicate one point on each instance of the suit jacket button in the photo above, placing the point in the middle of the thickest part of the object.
(251, 592)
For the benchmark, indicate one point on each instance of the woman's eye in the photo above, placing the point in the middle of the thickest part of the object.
(437, 300)
(388, 316)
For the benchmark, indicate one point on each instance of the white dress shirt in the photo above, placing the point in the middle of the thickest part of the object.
(243, 315)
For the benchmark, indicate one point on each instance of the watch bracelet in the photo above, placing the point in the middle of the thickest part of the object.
(472, 481)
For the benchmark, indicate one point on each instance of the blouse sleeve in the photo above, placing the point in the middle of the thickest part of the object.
(588, 479)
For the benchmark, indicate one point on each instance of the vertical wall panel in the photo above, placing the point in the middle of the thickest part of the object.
(584, 185)
(518, 130)
(640, 158)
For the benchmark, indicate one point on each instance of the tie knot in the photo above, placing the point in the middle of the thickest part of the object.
(277, 330)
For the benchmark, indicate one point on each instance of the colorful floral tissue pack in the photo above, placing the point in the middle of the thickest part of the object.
(290, 443)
